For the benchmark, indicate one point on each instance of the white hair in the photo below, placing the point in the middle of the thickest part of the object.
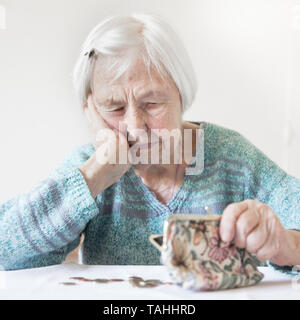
(157, 44)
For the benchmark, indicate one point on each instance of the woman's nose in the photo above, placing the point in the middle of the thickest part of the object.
(135, 121)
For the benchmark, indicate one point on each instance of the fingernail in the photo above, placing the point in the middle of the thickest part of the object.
(226, 236)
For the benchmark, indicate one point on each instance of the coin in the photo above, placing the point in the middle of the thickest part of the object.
(134, 282)
(142, 283)
(81, 279)
(136, 278)
(154, 281)
(150, 284)
(116, 280)
(68, 283)
(101, 280)
(77, 278)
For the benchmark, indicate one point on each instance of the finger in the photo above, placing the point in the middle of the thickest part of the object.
(273, 242)
(99, 122)
(229, 218)
(257, 238)
(246, 223)
(268, 250)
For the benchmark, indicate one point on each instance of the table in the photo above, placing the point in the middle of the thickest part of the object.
(44, 283)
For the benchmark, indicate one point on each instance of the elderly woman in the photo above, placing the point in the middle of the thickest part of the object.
(134, 74)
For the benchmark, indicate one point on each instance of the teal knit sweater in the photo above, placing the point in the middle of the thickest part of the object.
(41, 227)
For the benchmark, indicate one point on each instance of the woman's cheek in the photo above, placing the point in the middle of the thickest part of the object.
(165, 120)
(157, 122)
(112, 122)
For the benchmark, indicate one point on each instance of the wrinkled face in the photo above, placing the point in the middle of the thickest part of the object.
(135, 101)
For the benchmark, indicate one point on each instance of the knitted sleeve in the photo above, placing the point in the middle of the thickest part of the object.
(41, 227)
(266, 182)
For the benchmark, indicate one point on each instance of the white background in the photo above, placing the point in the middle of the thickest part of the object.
(246, 55)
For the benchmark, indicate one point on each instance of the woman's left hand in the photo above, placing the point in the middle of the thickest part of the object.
(255, 226)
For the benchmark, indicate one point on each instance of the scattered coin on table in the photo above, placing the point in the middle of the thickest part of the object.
(101, 280)
(133, 280)
(141, 283)
(68, 283)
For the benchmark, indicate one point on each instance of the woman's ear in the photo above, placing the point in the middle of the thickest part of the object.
(87, 113)
(181, 106)
(85, 106)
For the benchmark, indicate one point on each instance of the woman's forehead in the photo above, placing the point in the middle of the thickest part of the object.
(114, 93)
(136, 81)
(105, 69)
(137, 75)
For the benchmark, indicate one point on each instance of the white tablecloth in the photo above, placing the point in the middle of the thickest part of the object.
(44, 283)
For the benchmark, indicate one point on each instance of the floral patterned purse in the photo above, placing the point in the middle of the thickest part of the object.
(198, 259)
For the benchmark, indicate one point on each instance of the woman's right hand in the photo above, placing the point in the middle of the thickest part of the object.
(103, 169)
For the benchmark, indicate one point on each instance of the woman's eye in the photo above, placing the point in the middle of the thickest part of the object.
(152, 104)
(115, 109)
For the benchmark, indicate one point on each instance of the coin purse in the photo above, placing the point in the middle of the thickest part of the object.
(197, 258)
